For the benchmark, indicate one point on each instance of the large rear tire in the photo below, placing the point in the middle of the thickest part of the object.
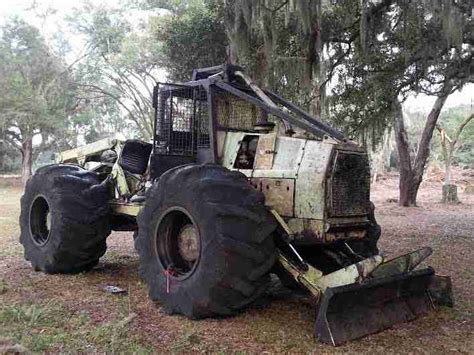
(205, 241)
(63, 220)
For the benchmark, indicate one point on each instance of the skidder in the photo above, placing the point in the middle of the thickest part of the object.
(237, 184)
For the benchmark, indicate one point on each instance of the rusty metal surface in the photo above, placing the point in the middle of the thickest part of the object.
(347, 221)
(290, 233)
(309, 230)
(265, 151)
(129, 209)
(188, 243)
(279, 194)
(345, 234)
(315, 231)
(307, 162)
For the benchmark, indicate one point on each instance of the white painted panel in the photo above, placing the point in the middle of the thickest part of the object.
(287, 152)
(310, 184)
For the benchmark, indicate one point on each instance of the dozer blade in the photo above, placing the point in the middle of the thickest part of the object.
(353, 311)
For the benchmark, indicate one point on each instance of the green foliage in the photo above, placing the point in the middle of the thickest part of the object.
(118, 72)
(40, 97)
(33, 82)
(176, 7)
(192, 37)
(10, 158)
(450, 120)
(366, 52)
(36, 93)
(407, 47)
(277, 43)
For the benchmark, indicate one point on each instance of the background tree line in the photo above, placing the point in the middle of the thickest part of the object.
(353, 62)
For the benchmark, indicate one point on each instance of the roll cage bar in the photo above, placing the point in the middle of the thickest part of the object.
(230, 79)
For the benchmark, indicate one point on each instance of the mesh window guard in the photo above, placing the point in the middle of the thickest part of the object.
(182, 122)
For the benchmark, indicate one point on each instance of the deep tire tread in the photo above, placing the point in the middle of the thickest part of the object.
(237, 251)
(79, 210)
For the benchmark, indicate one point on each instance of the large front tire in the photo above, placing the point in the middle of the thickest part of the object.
(63, 220)
(205, 241)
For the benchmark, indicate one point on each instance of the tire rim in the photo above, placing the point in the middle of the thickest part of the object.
(40, 221)
(178, 243)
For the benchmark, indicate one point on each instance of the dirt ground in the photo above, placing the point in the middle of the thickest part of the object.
(64, 313)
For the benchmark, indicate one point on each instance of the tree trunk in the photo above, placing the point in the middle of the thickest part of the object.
(27, 160)
(447, 169)
(424, 146)
(407, 187)
(450, 194)
(450, 191)
(411, 176)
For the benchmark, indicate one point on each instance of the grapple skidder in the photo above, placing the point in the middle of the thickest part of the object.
(237, 184)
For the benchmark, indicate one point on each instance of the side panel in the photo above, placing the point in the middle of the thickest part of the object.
(289, 152)
(310, 184)
(287, 156)
(295, 185)
(265, 151)
(231, 148)
(279, 194)
(298, 169)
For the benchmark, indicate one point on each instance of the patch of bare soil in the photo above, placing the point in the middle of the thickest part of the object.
(281, 322)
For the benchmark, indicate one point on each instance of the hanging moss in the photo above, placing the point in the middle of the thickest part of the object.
(452, 24)
(363, 25)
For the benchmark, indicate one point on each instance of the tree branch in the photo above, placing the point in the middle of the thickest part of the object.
(461, 127)
(424, 145)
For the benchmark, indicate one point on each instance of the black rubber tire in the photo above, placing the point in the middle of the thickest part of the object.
(237, 249)
(78, 205)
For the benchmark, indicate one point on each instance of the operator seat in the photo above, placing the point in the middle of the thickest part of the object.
(135, 156)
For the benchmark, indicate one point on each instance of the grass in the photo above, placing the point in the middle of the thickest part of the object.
(50, 326)
(188, 339)
(3, 286)
(46, 323)
(9, 212)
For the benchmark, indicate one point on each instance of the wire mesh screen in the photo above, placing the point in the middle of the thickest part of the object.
(182, 122)
(202, 118)
(350, 185)
(234, 113)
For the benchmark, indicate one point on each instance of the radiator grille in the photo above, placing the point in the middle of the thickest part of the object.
(349, 185)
